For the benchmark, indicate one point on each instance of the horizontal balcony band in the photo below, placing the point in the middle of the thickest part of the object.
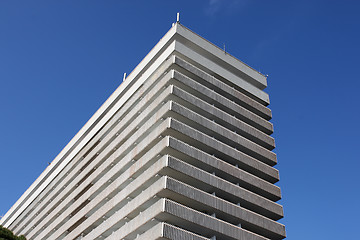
(222, 169)
(229, 212)
(211, 51)
(214, 69)
(221, 133)
(186, 218)
(223, 88)
(225, 119)
(223, 103)
(223, 151)
(163, 231)
(208, 182)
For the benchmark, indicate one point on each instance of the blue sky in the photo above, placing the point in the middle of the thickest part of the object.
(60, 60)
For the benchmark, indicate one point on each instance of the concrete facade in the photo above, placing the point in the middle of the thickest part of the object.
(181, 150)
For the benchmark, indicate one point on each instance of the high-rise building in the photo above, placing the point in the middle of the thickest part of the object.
(181, 150)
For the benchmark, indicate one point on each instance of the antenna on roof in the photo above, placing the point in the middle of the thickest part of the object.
(178, 17)
(124, 77)
(224, 49)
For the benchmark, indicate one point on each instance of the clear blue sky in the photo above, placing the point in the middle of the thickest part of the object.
(60, 60)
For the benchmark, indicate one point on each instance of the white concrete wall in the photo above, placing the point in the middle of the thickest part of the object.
(181, 150)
